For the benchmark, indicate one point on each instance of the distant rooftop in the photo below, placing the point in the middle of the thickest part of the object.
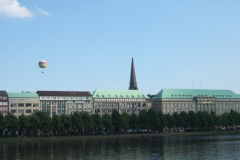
(23, 95)
(64, 93)
(118, 94)
(190, 93)
(3, 93)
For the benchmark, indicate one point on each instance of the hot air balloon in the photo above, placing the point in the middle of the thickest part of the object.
(42, 64)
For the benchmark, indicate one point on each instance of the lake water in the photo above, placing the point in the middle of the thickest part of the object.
(138, 148)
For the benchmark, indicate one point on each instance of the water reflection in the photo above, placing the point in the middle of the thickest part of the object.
(196, 147)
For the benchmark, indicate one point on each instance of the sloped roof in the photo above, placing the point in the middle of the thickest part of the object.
(3, 93)
(133, 80)
(64, 93)
(118, 94)
(23, 95)
(190, 93)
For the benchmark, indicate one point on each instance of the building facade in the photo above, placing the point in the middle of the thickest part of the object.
(3, 102)
(177, 100)
(129, 101)
(65, 102)
(23, 103)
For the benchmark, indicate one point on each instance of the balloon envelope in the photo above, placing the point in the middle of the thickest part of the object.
(42, 64)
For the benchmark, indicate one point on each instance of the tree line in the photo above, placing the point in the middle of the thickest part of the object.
(83, 122)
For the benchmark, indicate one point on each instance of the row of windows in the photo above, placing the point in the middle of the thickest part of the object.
(24, 111)
(133, 100)
(64, 98)
(3, 103)
(72, 111)
(218, 111)
(53, 102)
(47, 108)
(190, 104)
(120, 111)
(121, 96)
(3, 98)
(80, 106)
(199, 99)
(120, 104)
(24, 105)
(3, 109)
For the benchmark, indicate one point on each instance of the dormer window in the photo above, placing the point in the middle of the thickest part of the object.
(132, 95)
(121, 96)
(97, 95)
(116, 96)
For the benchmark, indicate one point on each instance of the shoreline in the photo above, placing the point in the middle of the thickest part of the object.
(114, 136)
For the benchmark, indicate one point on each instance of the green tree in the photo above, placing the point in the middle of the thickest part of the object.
(233, 118)
(144, 119)
(185, 119)
(134, 121)
(33, 123)
(178, 119)
(210, 120)
(77, 121)
(202, 120)
(12, 123)
(153, 122)
(3, 122)
(66, 123)
(171, 122)
(23, 123)
(107, 122)
(97, 121)
(194, 120)
(116, 120)
(87, 122)
(125, 121)
(45, 121)
(56, 123)
(219, 121)
(216, 119)
(224, 119)
(162, 120)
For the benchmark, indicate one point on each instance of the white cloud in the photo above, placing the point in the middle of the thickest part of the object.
(43, 12)
(12, 8)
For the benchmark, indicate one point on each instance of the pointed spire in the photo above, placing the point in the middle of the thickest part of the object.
(133, 81)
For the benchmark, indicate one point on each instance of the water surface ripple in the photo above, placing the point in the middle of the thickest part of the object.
(137, 148)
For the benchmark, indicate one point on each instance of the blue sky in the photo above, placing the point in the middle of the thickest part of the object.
(89, 44)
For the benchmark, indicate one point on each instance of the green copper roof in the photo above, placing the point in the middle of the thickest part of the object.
(118, 94)
(23, 95)
(190, 93)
